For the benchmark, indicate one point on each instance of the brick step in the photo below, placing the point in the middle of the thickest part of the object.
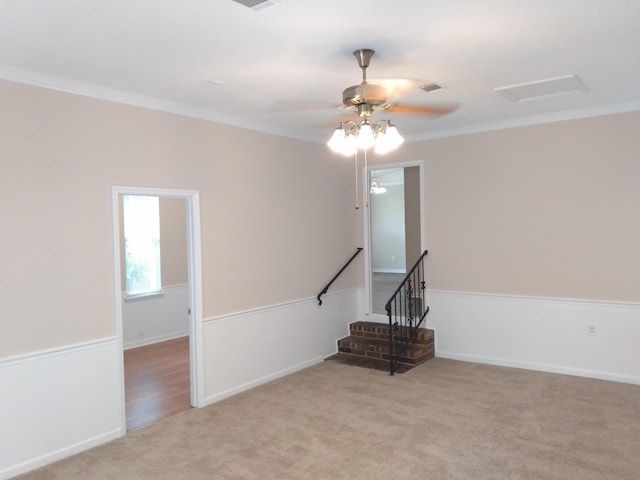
(369, 347)
(380, 331)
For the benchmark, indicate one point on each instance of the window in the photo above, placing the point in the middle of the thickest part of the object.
(142, 245)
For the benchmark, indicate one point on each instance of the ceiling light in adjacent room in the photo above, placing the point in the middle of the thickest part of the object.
(377, 188)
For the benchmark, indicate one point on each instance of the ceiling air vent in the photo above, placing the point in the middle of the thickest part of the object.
(257, 4)
(431, 87)
(542, 88)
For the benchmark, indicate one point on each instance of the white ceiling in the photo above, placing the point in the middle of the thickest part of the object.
(172, 54)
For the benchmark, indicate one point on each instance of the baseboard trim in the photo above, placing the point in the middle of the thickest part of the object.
(540, 367)
(586, 338)
(60, 454)
(45, 420)
(261, 381)
(157, 339)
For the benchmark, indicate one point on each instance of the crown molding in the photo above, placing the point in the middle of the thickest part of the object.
(62, 84)
(31, 77)
(527, 121)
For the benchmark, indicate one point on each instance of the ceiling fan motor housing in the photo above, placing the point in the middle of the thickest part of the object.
(364, 93)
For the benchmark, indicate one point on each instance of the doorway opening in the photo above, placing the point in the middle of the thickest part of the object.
(158, 329)
(394, 230)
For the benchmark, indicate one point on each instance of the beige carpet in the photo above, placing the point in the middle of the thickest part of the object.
(442, 420)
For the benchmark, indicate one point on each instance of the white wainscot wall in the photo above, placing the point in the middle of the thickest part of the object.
(585, 338)
(156, 318)
(246, 349)
(57, 403)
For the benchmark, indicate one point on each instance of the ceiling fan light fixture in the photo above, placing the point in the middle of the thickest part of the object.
(348, 139)
(337, 141)
(388, 139)
(350, 146)
(366, 140)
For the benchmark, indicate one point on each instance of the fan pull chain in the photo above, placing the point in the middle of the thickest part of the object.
(368, 187)
(355, 158)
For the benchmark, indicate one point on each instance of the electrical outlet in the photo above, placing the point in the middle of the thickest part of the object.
(591, 330)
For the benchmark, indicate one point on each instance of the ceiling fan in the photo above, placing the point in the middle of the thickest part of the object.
(377, 94)
(367, 97)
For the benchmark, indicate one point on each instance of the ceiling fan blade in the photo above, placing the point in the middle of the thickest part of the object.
(397, 87)
(419, 109)
(285, 106)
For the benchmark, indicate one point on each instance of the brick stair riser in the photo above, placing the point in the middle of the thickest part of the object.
(362, 348)
(385, 356)
(423, 336)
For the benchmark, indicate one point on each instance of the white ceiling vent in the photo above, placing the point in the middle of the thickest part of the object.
(258, 4)
(543, 88)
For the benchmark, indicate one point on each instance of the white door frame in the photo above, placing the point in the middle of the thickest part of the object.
(194, 260)
(376, 317)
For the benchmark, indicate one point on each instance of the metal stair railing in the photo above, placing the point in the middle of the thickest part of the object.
(406, 310)
(324, 290)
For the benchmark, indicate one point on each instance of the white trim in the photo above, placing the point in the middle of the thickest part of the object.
(60, 454)
(541, 367)
(194, 260)
(389, 270)
(38, 79)
(367, 307)
(539, 333)
(277, 306)
(262, 380)
(527, 121)
(156, 339)
(533, 298)
(52, 352)
(132, 297)
(30, 77)
(275, 340)
(58, 402)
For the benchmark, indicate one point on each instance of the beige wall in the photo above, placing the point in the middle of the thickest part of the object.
(270, 231)
(547, 210)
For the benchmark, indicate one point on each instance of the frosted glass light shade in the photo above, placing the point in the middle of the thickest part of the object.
(337, 140)
(366, 139)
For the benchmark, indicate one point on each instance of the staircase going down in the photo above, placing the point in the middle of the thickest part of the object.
(368, 346)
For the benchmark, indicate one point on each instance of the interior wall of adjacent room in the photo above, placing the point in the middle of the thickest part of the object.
(387, 230)
(265, 211)
(160, 317)
(412, 212)
(173, 241)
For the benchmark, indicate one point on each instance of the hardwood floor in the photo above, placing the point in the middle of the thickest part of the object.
(156, 381)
